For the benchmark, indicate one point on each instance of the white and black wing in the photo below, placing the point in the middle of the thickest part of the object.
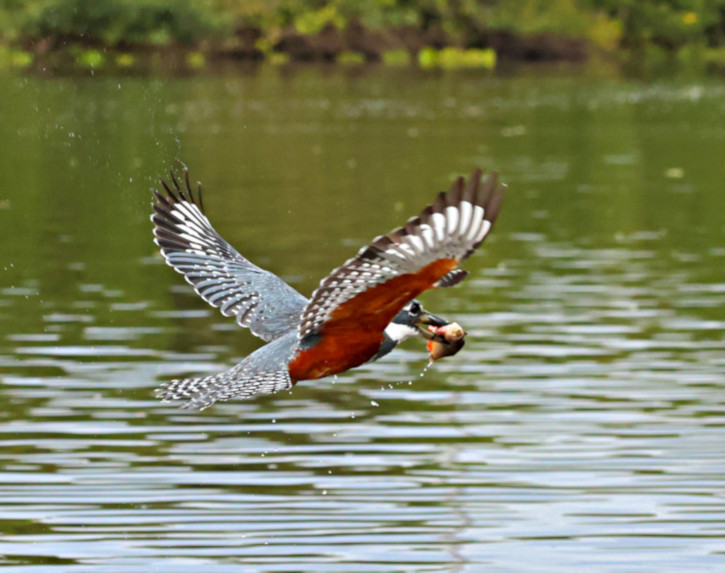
(372, 287)
(257, 298)
(262, 372)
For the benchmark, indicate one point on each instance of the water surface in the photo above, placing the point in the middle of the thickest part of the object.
(581, 429)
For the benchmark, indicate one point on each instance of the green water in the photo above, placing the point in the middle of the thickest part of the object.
(581, 428)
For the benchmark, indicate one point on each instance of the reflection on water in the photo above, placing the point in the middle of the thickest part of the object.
(581, 428)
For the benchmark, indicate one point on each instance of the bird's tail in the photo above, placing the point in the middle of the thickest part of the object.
(200, 393)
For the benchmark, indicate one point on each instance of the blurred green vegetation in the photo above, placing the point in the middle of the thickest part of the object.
(111, 22)
(649, 27)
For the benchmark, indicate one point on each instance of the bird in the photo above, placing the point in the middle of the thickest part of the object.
(360, 312)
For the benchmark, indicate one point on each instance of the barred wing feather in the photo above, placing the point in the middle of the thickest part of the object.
(397, 267)
(257, 298)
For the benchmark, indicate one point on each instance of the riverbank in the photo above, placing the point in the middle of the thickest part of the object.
(140, 34)
(354, 43)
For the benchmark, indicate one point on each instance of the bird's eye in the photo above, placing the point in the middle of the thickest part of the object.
(415, 307)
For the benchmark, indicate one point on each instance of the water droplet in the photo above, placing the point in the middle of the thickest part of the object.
(374, 403)
(324, 492)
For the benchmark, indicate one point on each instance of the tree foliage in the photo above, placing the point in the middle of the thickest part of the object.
(112, 22)
(634, 24)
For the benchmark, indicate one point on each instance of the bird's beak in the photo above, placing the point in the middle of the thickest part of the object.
(427, 319)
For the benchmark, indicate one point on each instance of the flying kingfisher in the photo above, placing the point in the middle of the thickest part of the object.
(361, 311)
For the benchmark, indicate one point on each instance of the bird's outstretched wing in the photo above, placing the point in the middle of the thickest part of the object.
(257, 298)
(366, 292)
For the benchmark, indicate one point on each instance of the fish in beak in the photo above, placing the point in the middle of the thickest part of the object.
(444, 338)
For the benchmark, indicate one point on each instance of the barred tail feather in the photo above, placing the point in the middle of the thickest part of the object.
(200, 393)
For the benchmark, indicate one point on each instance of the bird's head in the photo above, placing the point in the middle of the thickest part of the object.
(444, 338)
(413, 314)
(413, 320)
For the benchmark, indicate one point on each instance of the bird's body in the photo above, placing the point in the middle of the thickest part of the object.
(360, 312)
